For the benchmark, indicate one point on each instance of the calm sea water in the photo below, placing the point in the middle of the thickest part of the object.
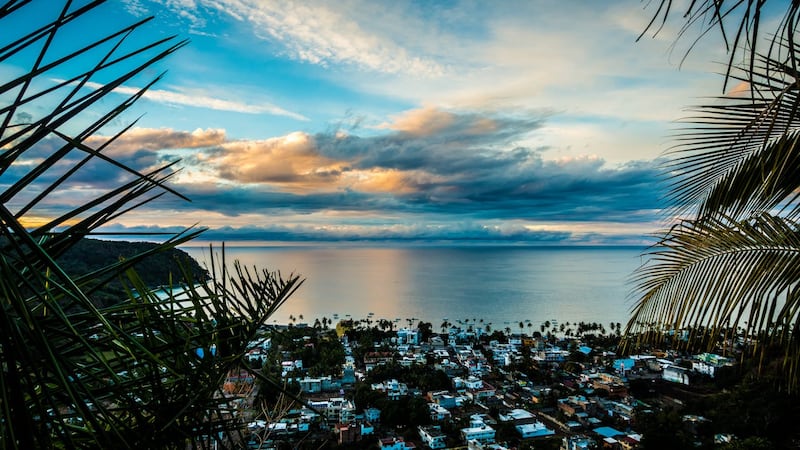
(501, 285)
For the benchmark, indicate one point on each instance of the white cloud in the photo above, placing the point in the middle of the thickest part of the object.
(322, 33)
(135, 7)
(202, 100)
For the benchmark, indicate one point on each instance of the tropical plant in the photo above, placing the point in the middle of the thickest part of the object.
(146, 372)
(732, 260)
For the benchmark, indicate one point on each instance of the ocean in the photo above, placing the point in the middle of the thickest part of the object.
(501, 286)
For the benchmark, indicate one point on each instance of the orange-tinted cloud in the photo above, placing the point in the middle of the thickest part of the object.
(292, 161)
(422, 122)
(137, 139)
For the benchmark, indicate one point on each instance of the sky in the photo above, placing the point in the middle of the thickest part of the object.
(359, 121)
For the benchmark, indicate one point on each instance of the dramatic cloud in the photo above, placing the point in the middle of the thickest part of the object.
(430, 173)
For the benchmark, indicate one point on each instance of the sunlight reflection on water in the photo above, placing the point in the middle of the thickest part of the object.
(501, 285)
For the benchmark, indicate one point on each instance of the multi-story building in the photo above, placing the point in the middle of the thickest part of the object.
(438, 413)
(433, 437)
(483, 434)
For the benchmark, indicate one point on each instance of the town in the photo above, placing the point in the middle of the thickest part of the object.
(382, 384)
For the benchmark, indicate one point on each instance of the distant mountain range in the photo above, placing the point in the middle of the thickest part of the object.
(93, 254)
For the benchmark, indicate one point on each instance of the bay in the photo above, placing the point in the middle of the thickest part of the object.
(498, 285)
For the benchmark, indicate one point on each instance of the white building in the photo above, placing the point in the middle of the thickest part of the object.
(475, 445)
(675, 374)
(432, 437)
(314, 385)
(438, 412)
(336, 409)
(536, 429)
(577, 443)
(515, 414)
(289, 366)
(709, 363)
(473, 383)
(483, 434)
(408, 336)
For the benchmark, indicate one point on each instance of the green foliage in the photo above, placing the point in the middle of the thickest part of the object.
(750, 443)
(732, 260)
(754, 408)
(663, 430)
(404, 412)
(77, 372)
(320, 350)
(160, 269)
(422, 377)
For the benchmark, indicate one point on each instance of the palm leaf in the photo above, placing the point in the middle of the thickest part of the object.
(740, 155)
(75, 375)
(715, 275)
(739, 24)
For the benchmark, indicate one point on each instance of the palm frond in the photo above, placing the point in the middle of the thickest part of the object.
(718, 272)
(739, 24)
(716, 275)
(740, 156)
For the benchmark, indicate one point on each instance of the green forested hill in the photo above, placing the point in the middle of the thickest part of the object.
(92, 254)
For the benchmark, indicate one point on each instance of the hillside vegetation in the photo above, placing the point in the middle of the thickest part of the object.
(159, 269)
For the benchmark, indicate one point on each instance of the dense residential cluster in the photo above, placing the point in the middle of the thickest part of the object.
(373, 384)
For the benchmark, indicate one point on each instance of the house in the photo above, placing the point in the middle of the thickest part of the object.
(675, 374)
(573, 405)
(392, 388)
(373, 359)
(709, 363)
(473, 383)
(395, 443)
(372, 415)
(318, 384)
(611, 384)
(408, 336)
(483, 434)
(347, 433)
(483, 392)
(475, 445)
(535, 429)
(629, 442)
(608, 433)
(478, 431)
(438, 412)
(366, 428)
(289, 366)
(336, 409)
(578, 442)
(432, 437)
(515, 415)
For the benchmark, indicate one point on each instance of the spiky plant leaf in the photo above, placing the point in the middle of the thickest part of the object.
(143, 373)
